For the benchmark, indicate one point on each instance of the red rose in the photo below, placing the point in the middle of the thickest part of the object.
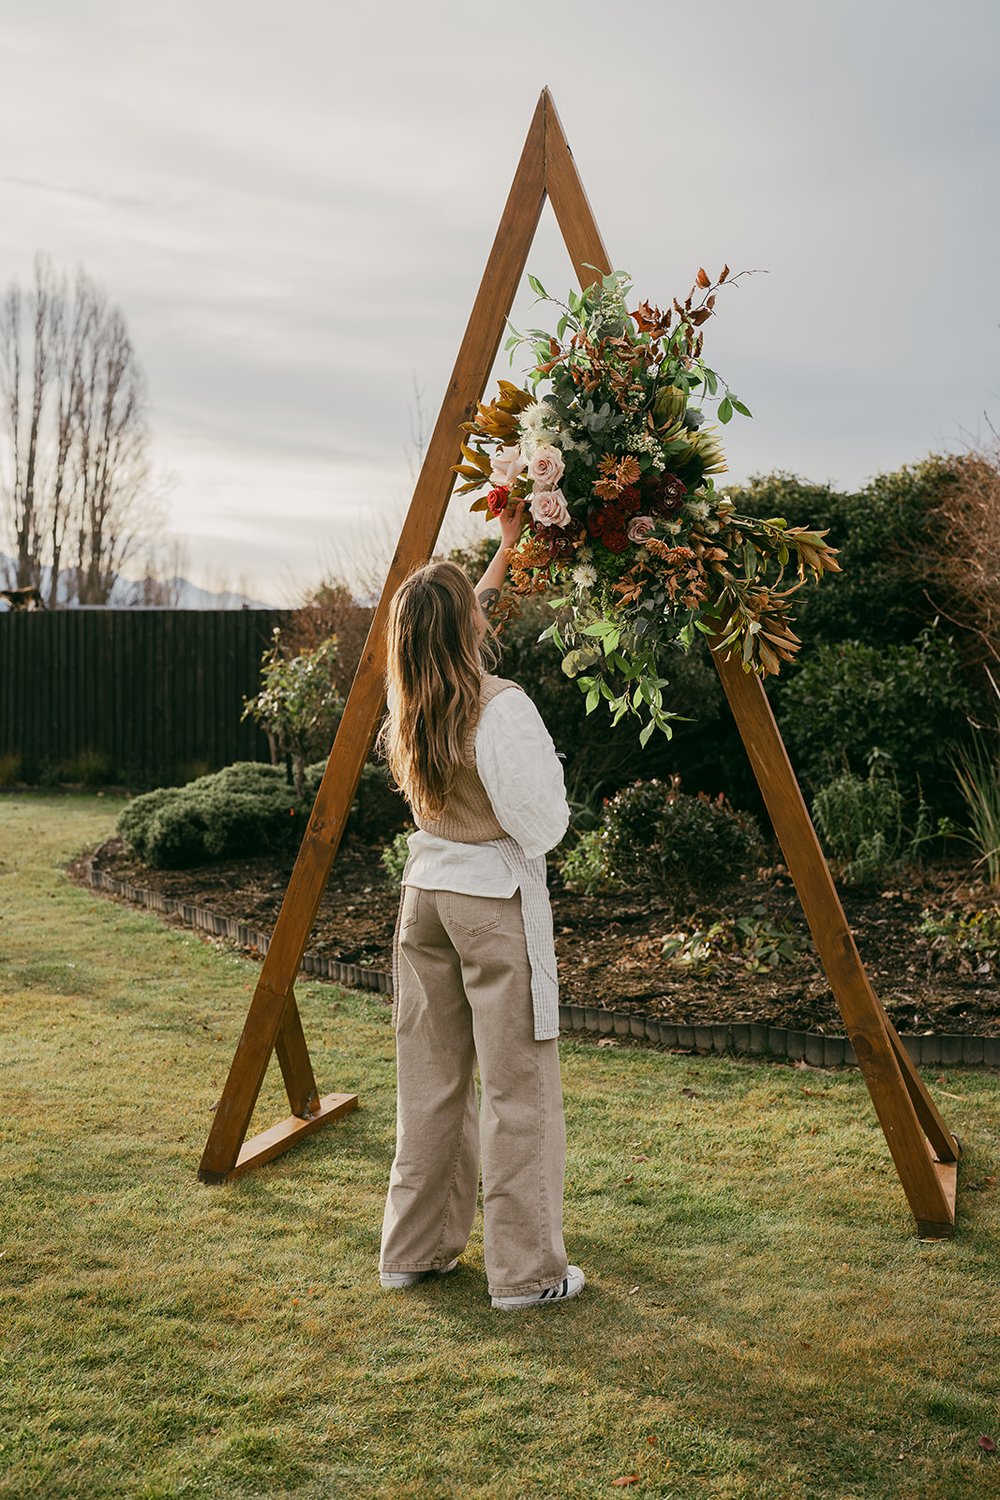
(629, 500)
(496, 500)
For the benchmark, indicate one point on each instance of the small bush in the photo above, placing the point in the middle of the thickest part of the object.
(654, 837)
(393, 858)
(845, 700)
(970, 938)
(584, 868)
(753, 943)
(10, 769)
(88, 768)
(862, 824)
(378, 811)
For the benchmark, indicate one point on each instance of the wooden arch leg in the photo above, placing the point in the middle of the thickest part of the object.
(924, 1151)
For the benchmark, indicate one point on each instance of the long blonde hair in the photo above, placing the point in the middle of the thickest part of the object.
(433, 673)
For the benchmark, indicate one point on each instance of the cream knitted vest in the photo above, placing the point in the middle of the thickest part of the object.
(468, 817)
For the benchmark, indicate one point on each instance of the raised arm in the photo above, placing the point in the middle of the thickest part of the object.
(489, 586)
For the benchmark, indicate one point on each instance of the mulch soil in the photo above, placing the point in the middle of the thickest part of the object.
(610, 947)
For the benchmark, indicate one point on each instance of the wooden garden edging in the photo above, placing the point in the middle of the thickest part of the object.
(725, 1039)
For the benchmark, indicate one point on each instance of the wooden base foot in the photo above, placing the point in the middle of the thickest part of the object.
(947, 1175)
(271, 1142)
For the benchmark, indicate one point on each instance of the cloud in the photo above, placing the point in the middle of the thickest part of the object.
(294, 206)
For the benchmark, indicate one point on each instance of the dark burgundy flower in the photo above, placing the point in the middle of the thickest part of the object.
(605, 518)
(616, 541)
(562, 540)
(665, 493)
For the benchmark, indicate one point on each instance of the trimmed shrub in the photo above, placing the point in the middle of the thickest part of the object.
(655, 838)
(248, 808)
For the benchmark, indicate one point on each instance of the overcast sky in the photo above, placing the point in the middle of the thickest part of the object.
(293, 205)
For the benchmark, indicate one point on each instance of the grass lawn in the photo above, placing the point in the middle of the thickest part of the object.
(759, 1320)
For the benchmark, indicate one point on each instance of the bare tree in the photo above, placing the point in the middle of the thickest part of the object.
(74, 482)
(23, 420)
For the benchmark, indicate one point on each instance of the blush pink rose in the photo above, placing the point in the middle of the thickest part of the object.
(639, 528)
(546, 468)
(549, 508)
(507, 465)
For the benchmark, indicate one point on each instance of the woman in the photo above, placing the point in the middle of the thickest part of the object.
(473, 958)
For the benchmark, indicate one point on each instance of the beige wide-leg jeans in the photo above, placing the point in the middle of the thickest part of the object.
(465, 994)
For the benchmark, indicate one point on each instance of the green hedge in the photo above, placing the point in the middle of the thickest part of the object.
(248, 808)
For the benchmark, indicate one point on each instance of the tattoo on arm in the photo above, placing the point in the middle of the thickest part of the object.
(488, 601)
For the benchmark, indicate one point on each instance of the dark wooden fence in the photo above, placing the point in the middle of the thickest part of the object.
(137, 697)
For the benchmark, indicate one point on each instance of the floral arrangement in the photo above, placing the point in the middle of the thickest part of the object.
(610, 450)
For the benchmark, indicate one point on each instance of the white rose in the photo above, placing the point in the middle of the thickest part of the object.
(546, 468)
(507, 465)
(549, 508)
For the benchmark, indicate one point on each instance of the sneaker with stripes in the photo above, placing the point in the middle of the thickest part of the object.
(399, 1279)
(571, 1285)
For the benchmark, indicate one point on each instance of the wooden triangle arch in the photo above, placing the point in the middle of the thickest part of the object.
(923, 1149)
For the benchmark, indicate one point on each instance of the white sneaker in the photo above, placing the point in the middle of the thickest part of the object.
(410, 1278)
(571, 1285)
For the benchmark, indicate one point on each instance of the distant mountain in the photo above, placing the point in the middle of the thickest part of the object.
(171, 593)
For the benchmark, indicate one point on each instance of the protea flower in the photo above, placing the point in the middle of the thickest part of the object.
(709, 450)
(669, 406)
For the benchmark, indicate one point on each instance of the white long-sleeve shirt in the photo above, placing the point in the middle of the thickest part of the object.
(523, 777)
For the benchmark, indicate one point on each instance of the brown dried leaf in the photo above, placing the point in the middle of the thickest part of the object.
(703, 277)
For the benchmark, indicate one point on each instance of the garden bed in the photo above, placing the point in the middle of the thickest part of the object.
(610, 948)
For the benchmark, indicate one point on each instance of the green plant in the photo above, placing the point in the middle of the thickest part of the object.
(10, 769)
(584, 867)
(971, 937)
(862, 824)
(752, 943)
(977, 774)
(298, 705)
(888, 535)
(378, 809)
(87, 768)
(655, 837)
(845, 699)
(393, 858)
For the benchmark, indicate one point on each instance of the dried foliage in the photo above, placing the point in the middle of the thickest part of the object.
(961, 570)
